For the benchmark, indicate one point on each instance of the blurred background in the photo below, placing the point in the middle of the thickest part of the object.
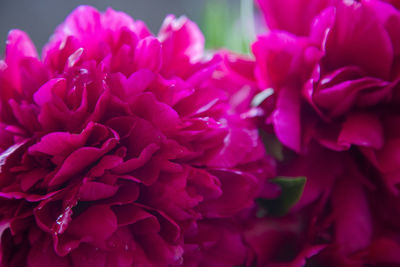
(226, 23)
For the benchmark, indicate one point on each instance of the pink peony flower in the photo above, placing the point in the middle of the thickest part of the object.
(334, 79)
(120, 148)
(331, 80)
(338, 85)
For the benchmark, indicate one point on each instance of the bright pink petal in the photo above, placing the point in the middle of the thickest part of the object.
(286, 118)
(348, 44)
(292, 16)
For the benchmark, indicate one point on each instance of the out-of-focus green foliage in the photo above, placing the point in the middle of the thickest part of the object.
(229, 24)
(291, 191)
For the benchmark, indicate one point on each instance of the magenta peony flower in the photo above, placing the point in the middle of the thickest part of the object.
(332, 80)
(338, 85)
(120, 148)
(333, 83)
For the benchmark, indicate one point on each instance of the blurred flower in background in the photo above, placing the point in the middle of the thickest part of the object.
(331, 72)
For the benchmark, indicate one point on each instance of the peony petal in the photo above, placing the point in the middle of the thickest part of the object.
(384, 250)
(301, 259)
(341, 97)
(138, 82)
(362, 129)
(353, 222)
(106, 163)
(46, 92)
(205, 184)
(91, 191)
(57, 143)
(147, 106)
(182, 45)
(97, 223)
(116, 20)
(79, 160)
(348, 44)
(286, 118)
(296, 17)
(10, 155)
(42, 254)
(134, 163)
(19, 45)
(128, 192)
(148, 54)
(389, 156)
(130, 214)
(87, 255)
(239, 190)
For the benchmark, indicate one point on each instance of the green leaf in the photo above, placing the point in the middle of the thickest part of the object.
(272, 145)
(291, 191)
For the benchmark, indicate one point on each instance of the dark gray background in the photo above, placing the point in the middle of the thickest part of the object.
(40, 17)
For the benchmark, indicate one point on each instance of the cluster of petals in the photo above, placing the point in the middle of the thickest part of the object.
(332, 71)
(121, 148)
